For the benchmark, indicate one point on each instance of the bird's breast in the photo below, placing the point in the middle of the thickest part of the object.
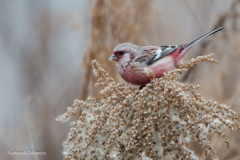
(139, 77)
(134, 77)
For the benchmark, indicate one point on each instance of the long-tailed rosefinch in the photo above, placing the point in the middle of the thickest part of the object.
(133, 60)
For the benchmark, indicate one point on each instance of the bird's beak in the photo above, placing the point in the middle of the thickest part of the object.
(113, 57)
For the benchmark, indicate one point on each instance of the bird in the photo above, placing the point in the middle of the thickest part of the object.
(132, 60)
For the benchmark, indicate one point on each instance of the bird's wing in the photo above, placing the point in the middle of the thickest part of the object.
(152, 54)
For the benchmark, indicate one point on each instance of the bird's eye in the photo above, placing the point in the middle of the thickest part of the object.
(121, 52)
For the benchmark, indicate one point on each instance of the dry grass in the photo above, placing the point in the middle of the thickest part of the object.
(152, 123)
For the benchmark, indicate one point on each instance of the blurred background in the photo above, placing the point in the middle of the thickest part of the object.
(46, 48)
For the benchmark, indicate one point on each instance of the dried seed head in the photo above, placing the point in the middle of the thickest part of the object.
(152, 123)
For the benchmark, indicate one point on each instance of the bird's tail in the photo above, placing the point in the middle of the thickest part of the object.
(188, 46)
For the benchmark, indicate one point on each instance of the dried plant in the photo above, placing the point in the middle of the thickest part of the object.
(152, 123)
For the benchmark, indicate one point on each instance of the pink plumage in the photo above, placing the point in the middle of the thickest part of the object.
(132, 60)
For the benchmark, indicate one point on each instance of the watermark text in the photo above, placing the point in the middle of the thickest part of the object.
(25, 153)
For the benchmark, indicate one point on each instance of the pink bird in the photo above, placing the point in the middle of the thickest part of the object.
(132, 60)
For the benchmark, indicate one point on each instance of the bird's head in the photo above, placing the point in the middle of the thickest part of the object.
(123, 52)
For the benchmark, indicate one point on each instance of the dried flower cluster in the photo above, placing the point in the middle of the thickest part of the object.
(151, 123)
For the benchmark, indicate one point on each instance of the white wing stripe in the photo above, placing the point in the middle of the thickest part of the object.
(158, 53)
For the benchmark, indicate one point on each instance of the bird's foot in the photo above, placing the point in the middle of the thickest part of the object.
(151, 82)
